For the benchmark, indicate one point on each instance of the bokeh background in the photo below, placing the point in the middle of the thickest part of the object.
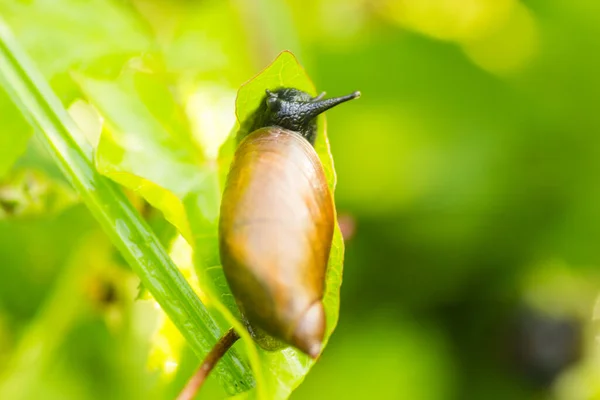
(468, 193)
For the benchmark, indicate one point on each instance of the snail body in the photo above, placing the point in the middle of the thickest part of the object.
(277, 222)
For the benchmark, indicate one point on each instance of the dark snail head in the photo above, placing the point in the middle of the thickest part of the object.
(295, 110)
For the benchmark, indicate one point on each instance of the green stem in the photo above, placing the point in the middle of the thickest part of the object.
(106, 201)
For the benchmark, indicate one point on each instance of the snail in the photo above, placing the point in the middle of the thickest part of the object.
(276, 228)
(277, 220)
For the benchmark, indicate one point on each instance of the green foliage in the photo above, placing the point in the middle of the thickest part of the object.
(78, 46)
(150, 156)
(132, 236)
(141, 152)
(149, 145)
(467, 187)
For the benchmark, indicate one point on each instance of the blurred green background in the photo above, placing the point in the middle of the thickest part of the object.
(468, 192)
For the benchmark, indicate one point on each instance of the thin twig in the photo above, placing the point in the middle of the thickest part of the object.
(195, 383)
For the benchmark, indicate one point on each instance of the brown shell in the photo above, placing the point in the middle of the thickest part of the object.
(276, 228)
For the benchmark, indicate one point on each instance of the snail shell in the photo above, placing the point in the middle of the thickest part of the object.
(276, 229)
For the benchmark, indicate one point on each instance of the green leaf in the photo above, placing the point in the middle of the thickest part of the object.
(122, 223)
(140, 151)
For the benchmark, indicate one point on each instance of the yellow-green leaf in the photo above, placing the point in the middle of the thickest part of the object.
(141, 148)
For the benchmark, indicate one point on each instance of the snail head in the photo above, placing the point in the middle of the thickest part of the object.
(296, 110)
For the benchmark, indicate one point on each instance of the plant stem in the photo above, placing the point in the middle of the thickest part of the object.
(106, 201)
(197, 380)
